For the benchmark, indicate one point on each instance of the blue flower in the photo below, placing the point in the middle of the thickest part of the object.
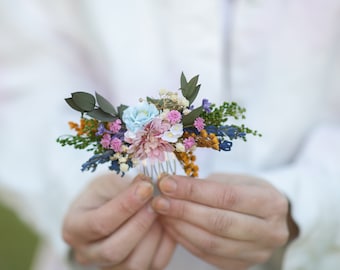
(137, 117)
(93, 162)
(225, 145)
(206, 105)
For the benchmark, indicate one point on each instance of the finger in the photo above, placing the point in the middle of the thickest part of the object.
(164, 252)
(100, 222)
(249, 199)
(219, 261)
(114, 249)
(209, 243)
(224, 223)
(142, 255)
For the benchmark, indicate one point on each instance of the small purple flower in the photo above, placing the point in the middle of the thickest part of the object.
(206, 105)
(199, 123)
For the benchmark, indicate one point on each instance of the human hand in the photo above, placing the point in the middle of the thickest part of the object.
(230, 221)
(112, 225)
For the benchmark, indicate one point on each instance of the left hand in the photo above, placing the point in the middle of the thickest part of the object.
(230, 221)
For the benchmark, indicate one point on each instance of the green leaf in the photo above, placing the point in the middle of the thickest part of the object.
(190, 89)
(84, 101)
(183, 81)
(121, 109)
(105, 105)
(194, 94)
(100, 115)
(71, 103)
(157, 102)
(189, 119)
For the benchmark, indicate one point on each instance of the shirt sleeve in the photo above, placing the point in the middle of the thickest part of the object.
(312, 184)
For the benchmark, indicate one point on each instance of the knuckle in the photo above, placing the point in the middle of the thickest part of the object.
(221, 223)
(227, 197)
(190, 190)
(182, 210)
(209, 244)
(98, 227)
(126, 207)
(141, 225)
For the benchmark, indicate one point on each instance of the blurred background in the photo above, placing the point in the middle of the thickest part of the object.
(18, 242)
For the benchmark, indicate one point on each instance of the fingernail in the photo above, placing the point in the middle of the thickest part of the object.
(167, 185)
(150, 209)
(144, 190)
(143, 177)
(162, 205)
(162, 175)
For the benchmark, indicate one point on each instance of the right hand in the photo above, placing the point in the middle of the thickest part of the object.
(112, 225)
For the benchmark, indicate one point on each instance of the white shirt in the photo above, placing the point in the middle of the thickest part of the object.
(282, 63)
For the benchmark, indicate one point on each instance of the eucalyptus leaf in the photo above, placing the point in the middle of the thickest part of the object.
(84, 101)
(183, 81)
(105, 105)
(71, 103)
(190, 89)
(192, 84)
(189, 119)
(121, 109)
(194, 94)
(100, 115)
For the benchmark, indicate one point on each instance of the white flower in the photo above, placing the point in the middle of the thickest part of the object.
(174, 97)
(124, 148)
(122, 159)
(123, 167)
(177, 130)
(180, 147)
(186, 111)
(117, 155)
(173, 134)
(183, 102)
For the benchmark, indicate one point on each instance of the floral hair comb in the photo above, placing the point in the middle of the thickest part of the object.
(155, 132)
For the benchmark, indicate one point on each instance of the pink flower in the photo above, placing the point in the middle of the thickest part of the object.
(174, 117)
(116, 145)
(106, 140)
(115, 126)
(158, 127)
(199, 123)
(188, 143)
(148, 142)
